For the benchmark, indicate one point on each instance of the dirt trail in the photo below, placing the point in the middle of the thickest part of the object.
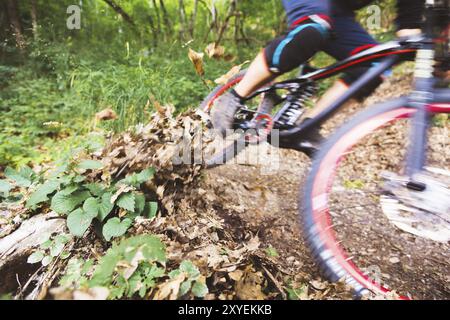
(239, 222)
(267, 203)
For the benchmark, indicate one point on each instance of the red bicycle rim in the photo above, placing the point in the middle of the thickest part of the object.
(322, 187)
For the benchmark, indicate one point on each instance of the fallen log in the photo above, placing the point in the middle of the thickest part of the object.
(16, 248)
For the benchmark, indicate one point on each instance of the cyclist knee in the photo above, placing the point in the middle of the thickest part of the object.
(288, 52)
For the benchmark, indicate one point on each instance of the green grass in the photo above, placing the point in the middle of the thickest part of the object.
(49, 102)
(55, 95)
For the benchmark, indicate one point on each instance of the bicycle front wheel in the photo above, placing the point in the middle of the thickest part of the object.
(349, 234)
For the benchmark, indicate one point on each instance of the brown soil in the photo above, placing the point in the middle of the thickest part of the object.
(268, 206)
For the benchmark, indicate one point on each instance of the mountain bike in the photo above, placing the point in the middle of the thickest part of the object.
(375, 208)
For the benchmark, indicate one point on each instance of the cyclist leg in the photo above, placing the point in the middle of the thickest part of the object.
(308, 34)
(350, 39)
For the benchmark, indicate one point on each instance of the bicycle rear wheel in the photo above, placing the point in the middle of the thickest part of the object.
(343, 220)
(225, 150)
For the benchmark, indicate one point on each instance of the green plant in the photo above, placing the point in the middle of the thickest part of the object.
(50, 248)
(7, 296)
(297, 293)
(272, 252)
(81, 201)
(354, 184)
(135, 266)
(16, 180)
(192, 280)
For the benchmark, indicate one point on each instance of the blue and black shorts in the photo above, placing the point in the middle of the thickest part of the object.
(320, 25)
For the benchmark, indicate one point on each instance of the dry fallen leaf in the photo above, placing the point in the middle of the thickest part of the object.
(170, 288)
(214, 51)
(129, 270)
(250, 286)
(230, 74)
(97, 293)
(236, 275)
(122, 189)
(106, 114)
(197, 60)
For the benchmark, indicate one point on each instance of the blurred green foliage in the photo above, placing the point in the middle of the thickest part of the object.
(50, 93)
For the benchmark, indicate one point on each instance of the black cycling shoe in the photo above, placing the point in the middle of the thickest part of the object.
(311, 141)
(270, 100)
(223, 111)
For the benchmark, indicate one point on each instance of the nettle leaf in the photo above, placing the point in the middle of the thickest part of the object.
(36, 257)
(139, 203)
(90, 207)
(64, 203)
(115, 228)
(73, 272)
(130, 180)
(96, 189)
(105, 269)
(135, 284)
(105, 206)
(78, 222)
(185, 287)
(46, 245)
(145, 175)
(47, 260)
(174, 273)
(22, 178)
(63, 238)
(155, 272)
(137, 179)
(199, 289)
(151, 209)
(70, 189)
(127, 201)
(189, 269)
(90, 165)
(78, 179)
(154, 249)
(5, 186)
(56, 249)
(42, 192)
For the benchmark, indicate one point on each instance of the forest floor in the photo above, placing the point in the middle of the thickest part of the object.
(268, 205)
(240, 224)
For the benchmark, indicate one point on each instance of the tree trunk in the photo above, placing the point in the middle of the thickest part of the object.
(3, 20)
(231, 12)
(118, 9)
(153, 29)
(193, 19)
(14, 19)
(158, 18)
(34, 18)
(183, 23)
(214, 23)
(237, 22)
(166, 17)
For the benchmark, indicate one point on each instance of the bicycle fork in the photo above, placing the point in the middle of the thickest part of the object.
(420, 99)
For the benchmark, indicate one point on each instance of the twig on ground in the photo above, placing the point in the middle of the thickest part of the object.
(275, 282)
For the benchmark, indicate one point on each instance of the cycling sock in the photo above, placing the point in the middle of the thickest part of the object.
(234, 93)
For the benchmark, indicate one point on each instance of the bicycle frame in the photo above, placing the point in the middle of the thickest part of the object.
(424, 96)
